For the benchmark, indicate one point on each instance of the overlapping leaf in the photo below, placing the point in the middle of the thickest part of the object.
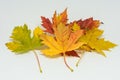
(94, 42)
(87, 24)
(56, 20)
(62, 18)
(47, 25)
(64, 40)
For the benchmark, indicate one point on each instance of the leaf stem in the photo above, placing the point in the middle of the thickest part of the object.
(36, 56)
(78, 62)
(66, 63)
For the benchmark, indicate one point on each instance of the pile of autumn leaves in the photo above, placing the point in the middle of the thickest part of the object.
(60, 38)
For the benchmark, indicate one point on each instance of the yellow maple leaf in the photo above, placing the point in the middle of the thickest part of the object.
(94, 42)
(37, 32)
(75, 27)
(63, 41)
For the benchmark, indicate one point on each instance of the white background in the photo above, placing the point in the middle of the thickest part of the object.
(91, 67)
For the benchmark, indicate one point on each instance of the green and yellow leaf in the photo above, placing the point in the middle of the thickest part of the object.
(93, 42)
(22, 41)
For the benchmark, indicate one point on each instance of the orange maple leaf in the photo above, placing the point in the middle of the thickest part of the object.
(56, 19)
(62, 18)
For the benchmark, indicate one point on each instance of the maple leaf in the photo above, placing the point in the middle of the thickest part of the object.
(56, 19)
(22, 41)
(87, 24)
(71, 53)
(75, 27)
(94, 42)
(63, 41)
(47, 25)
(61, 18)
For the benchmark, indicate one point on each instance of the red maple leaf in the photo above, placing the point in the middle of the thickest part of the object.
(47, 25)
(71, 53)
(88, 23)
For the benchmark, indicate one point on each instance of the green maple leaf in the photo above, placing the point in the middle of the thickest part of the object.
(22, 40)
